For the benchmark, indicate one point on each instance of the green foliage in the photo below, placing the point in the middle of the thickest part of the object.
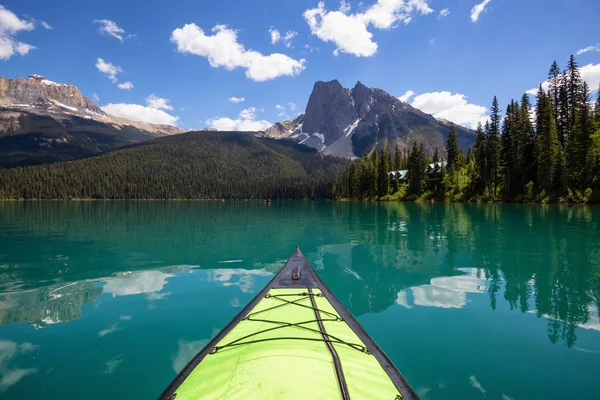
(196, 165)
(452, 150)
(459, 183)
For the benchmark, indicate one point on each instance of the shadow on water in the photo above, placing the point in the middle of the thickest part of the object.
(539, 259)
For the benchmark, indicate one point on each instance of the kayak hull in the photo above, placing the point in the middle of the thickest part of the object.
(294, 340)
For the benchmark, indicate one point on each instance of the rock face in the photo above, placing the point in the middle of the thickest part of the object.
(43, 121)
(284, 129)
(350, 123)
(38, 89)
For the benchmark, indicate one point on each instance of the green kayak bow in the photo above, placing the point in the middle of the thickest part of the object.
(294, 340)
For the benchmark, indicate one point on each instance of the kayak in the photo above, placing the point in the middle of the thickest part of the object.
(294, 340)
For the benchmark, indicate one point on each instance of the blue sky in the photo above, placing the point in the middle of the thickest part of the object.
(194, 56)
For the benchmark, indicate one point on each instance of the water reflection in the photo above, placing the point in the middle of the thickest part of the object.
(540, 260)
(444, 292)
(11, 374)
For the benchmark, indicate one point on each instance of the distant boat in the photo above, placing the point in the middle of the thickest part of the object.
(294, 340)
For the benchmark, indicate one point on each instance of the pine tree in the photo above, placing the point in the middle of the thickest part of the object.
(417, 165)
(527, 162)
(383, 179)
(578, 155)
(547, 146)
(493, 144)
(436, 156)
(480, 160)
(573, 88)
(509, 152)
(353, 182)
(398, 159)
(554, 80)
(597, 107)
(373, 170)
(452, 150)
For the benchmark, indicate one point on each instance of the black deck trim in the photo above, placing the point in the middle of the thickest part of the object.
(308, 279)
(339, 372)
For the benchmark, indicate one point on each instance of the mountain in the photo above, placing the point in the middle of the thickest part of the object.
(351, 122)
(43, 121)
(194, 165)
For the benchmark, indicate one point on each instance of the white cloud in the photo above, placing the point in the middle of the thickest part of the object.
(23, 48)
(479, 9)
(10, 24)
(443, 13)
(236, 100)
(275, 35)
(406, 96)
(344, 6)
(223, 50)
(245, 122)
(95, 97)
(453, 107)
(279, 107)
(431, 41)
(287, 39)
(109, 69)
(589, 48)
(110, 28)
(292, 106)
(125, 85)
(46, 25)
(589, 73)
(137, 112)
(350, 32)
(248, 113)
(153, 101)
(311, 48)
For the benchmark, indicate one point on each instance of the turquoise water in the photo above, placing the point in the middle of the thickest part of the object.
(106, 300)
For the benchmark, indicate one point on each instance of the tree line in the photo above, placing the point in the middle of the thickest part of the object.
(549, 152)
(195, 165)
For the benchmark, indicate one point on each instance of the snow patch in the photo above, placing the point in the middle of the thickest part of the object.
(320, 136)
(350, 128)
(58, 103)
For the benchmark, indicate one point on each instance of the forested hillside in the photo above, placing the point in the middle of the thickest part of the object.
(547, 152)
(195, 165)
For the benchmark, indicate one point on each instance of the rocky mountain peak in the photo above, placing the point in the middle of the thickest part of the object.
(362, 97)
(37, 89)
(329, 111)
(351, 122)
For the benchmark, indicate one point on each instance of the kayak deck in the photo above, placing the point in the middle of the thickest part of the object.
(291, 342)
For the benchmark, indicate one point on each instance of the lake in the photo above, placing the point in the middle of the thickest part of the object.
(106, 300)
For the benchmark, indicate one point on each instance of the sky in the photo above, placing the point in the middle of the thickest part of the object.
(243, 65)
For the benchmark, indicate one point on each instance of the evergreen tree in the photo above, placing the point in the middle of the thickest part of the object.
(493, 144)
(554, 83)
(398, 159)
(417, 165)
(597, 107)
(436, 156)
(547, 146)
(578, 155)
(353, 181)
(383, 179)
(373, 172)
(509, 153)
(573, 90)
(480, 160)
(452, 149)
(527, 162)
